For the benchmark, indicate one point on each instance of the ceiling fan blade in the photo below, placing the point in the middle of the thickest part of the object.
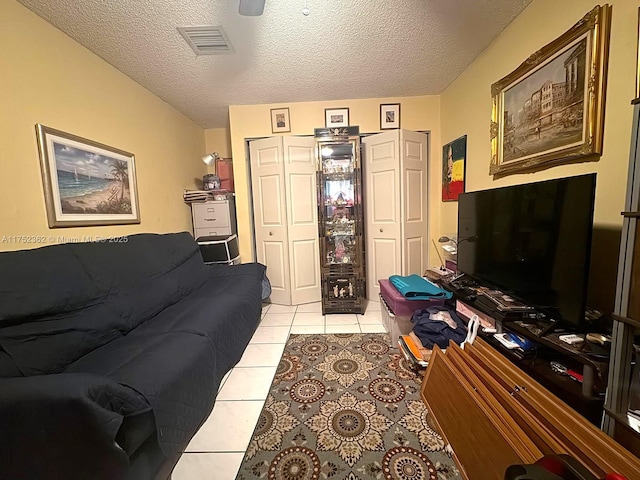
(251, 8)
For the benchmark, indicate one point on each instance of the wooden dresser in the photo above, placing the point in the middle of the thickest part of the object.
(493, 415)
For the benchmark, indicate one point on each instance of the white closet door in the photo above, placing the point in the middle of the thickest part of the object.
(270, 216)
(414, 201)
(382, 208)
(396, 205)
(302, 219)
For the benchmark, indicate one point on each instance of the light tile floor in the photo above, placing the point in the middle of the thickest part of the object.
(217, 449)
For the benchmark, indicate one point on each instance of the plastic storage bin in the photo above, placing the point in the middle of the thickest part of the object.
(400, 305)
(395, 325)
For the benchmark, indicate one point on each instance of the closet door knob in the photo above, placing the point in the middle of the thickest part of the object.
(381, 230)
(270, 233)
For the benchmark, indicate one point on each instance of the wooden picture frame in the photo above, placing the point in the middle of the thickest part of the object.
(336, 117)
(280, 122)
(550, 110)
(389, 116)
(86, 182)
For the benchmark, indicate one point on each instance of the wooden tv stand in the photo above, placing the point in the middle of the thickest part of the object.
(493, 415)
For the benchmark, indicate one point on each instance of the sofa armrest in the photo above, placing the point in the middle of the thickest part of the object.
(63, 426)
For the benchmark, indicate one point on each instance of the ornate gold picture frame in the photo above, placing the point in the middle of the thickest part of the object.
(550, 110)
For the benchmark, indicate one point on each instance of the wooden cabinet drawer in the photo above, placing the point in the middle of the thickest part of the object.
(213, 216)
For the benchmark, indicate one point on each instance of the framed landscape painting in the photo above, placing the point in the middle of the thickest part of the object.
(550, 110)
(86, 182)
(454, 159)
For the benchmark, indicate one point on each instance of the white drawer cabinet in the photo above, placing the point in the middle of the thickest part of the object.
(214, 218)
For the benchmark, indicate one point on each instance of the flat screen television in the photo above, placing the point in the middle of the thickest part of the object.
(533, 242)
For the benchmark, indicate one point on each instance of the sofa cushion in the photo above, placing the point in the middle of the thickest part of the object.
(226, 309)
(49, 344)
(64, 301)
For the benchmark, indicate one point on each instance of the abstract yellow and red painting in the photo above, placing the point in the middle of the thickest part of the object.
(454, 156)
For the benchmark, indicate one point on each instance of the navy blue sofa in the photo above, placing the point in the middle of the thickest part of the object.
(111, 354)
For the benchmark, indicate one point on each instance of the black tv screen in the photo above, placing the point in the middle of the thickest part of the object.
(531, 241)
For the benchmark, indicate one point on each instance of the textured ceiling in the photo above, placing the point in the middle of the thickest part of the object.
(343, 49)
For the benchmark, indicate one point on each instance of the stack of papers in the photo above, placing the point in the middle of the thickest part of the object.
(202, 195)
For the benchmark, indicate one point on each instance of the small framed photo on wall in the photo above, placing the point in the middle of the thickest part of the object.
(454, 159)
(389, 116)
(336, 117)
(280, 120)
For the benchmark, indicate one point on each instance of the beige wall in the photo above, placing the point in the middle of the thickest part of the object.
(254, 121)
(50, 79)
(466, 104)
(466, 109)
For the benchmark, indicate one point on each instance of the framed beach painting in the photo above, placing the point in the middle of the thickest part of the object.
(550, 110)
(86, 182)
(454, 159)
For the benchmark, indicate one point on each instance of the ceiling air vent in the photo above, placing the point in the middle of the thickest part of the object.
(207, 40)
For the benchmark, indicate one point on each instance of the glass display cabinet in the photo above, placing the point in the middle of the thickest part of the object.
(341, 220)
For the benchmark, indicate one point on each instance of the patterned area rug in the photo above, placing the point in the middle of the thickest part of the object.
(345, 407)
